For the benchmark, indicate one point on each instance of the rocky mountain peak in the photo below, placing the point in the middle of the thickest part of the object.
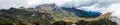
(46, 6)
(49, 8)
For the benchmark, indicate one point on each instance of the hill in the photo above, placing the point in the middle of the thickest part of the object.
(48, 14)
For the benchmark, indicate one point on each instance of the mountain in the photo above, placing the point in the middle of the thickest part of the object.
(82, 13)
(15, 16)
(50, 8)
(78, 12)
(51, 14)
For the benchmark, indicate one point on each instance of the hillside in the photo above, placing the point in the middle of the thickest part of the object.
(49, 14)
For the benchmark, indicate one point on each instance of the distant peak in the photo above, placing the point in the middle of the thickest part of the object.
(46, 5)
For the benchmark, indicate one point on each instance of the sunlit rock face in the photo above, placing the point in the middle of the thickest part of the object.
(82, 13)
(49, 8)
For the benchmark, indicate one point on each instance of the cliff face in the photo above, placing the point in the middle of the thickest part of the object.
(48, 14)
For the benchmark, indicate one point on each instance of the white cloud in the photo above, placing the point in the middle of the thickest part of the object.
(94, 7)
(114, 8)
(11, 3)
(66, 3)
(58, 2)
(73, 3)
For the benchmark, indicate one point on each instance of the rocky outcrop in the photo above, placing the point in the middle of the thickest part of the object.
(49, 8)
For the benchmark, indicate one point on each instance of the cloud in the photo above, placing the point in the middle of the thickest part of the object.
(61, 3)
(115, 8)
(94, 7)
(5, 4)
(73, 3)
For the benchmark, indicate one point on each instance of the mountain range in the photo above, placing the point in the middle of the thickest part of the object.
(51, 14)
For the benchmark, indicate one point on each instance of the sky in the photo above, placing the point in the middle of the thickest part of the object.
(5, 4)
(103, 6)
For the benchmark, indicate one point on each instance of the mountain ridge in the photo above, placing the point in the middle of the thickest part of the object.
(48, 14)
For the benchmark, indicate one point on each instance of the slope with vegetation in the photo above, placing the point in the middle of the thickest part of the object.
(48, 14)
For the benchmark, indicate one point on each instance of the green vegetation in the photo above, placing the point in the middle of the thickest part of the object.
(14, 16)
(100, 22)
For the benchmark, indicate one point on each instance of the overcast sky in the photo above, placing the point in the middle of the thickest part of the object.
(66, 3)
(11, 3)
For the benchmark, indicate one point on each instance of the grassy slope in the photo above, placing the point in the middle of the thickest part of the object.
(25, 17)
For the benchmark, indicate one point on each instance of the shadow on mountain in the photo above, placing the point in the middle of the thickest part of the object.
(62, 23)
(82, 13)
